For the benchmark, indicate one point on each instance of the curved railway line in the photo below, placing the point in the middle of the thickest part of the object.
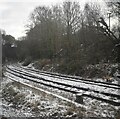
(27, 74)
(72, 78)
(59, 83)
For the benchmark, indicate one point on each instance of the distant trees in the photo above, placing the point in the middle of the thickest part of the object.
(71, 17)
(8, 48)
(92, 13)
(67, 27)
(47, 30)
(68, 33)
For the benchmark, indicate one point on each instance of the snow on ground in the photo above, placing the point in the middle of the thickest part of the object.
(94, 107)
(22, 102)
(39, 105)
(78, 84)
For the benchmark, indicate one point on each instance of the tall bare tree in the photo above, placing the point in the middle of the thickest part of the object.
(71, 16)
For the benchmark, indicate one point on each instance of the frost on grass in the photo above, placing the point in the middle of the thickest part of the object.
(22, 102)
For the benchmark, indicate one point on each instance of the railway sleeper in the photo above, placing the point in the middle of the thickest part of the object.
(79, 97)
(69, 76)
(80, 88)
(79, 80)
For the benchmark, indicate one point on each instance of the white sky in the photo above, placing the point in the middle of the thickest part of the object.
(14, 14)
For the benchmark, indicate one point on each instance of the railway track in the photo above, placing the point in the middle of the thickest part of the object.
(59, 83)
(73, 78)
(23, 73)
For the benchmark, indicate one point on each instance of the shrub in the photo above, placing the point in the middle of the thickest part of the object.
(27, 61)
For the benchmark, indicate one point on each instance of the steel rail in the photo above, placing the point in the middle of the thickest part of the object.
(98, 98)
(68, 85)
(75, 78)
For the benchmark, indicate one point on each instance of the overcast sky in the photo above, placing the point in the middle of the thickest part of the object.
(14, 14)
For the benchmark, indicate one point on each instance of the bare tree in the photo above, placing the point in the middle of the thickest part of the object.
(92, 13)
(71, 17)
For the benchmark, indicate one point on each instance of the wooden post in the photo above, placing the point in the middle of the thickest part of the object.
(79, 98)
